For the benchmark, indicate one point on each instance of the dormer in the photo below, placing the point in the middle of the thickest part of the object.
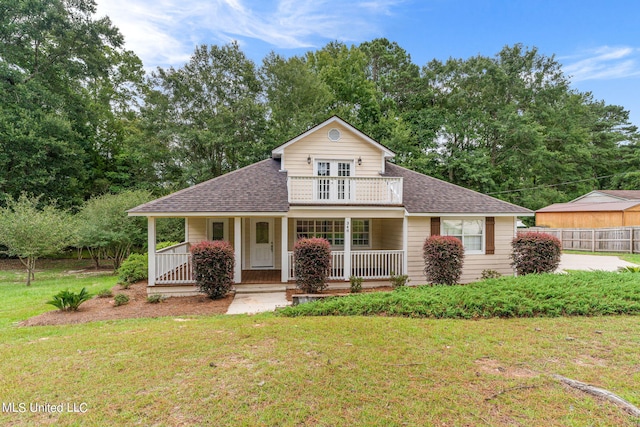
(335, 163)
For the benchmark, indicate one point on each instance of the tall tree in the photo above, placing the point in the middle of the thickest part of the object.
(296, 97)
(210, 112)
(53, 58)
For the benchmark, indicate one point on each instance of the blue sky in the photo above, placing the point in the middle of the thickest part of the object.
(598, 42)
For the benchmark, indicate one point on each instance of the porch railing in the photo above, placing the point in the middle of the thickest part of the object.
(173, 265)
(365, 264)
(347, 190)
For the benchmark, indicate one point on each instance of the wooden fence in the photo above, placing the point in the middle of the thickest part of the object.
(620, 239)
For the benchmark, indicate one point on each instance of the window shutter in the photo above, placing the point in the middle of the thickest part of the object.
(490, 232)
(435, 226)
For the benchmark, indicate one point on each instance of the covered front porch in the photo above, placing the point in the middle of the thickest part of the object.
(372, 248)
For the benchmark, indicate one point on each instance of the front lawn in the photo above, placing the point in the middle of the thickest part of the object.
(272, 370)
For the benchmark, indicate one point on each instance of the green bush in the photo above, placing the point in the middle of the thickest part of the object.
(162, 245)
(443, 257)
(399, 280)
(213, 264)
(69, 301)
(133, 269)
(104, 293)
(156, 298)
(120, 299)
(535, 253)
(630, 269)
(355, 284)
(490, 274)
(312, 260)
(579, 293)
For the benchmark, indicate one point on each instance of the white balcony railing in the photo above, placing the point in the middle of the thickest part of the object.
(173, 265)
(347, 190)
(365, 264)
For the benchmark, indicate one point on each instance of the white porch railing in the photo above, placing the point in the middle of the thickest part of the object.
(365, 264)
(173, 265)
(347, 190)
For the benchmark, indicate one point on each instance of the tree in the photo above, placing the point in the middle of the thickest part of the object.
(30, 232)
(297, 98)
(104, 227)
(65, 78)
(210, 112)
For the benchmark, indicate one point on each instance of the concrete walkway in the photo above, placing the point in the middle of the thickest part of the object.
(251, 303)
(591, 262)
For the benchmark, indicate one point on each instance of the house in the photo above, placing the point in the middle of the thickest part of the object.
(596, 209)
(335, 182)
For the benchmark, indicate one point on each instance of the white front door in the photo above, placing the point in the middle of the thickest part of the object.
(262, 243)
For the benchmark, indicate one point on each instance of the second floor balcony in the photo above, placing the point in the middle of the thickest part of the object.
(345, 190)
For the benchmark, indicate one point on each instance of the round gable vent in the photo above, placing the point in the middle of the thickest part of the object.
(334, 135)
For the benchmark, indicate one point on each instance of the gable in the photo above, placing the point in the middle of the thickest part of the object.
(332, 140)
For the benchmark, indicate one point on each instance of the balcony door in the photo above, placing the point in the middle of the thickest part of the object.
(334, 186)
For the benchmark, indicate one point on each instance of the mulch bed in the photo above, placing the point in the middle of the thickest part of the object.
(291, 292)
(104, 309)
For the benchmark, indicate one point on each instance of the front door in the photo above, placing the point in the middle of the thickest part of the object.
(262, 243)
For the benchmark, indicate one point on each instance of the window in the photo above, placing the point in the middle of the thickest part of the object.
(360, 232)
(469, 231)
(218, 229)
(333, 231)
(334, 184)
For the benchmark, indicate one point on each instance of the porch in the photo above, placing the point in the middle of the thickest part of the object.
(173, 266)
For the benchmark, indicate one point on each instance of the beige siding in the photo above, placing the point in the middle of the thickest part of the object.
(391, 234)
(197, 230)
(419, 230)
(347, 212)
(319, 147)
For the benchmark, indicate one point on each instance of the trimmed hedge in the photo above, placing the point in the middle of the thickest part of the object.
(443, 258)
(213, 264)
(312, 261)
(133, 269)
(582, 293)
(535, 253)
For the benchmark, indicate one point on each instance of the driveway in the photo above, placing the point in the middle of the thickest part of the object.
(591, 262)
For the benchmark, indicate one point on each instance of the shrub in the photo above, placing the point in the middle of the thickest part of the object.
(104, 293)
(535, 253)
(398, 281)
(490, 274)
(120, 299)
(443, 257)
(355, 284)
(156, 298)
(69, 301)
(133, 269)
(312, 260)
(162, 245)
(630, 269)
(213, 264)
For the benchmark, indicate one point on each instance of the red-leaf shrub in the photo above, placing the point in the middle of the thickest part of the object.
(443, 257)
(213, 264)
(312, 260)
(535, 253)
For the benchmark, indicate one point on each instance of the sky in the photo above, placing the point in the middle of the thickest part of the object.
(597, 42)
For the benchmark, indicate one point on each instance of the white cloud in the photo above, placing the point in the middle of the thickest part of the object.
(165, 32)
(604, 63)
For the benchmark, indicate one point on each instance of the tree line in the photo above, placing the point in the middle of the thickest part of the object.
(80, 118)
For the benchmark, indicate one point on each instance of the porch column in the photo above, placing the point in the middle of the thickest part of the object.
(347, 248)
(237, 246)
(284, 245)
(186, 230)
(151, 248)
(405, 245)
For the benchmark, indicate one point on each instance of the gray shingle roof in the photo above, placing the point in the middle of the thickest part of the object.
(425, 194)
(259, 187)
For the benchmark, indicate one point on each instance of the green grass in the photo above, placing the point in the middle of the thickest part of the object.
(323, 371)
(550, 295)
